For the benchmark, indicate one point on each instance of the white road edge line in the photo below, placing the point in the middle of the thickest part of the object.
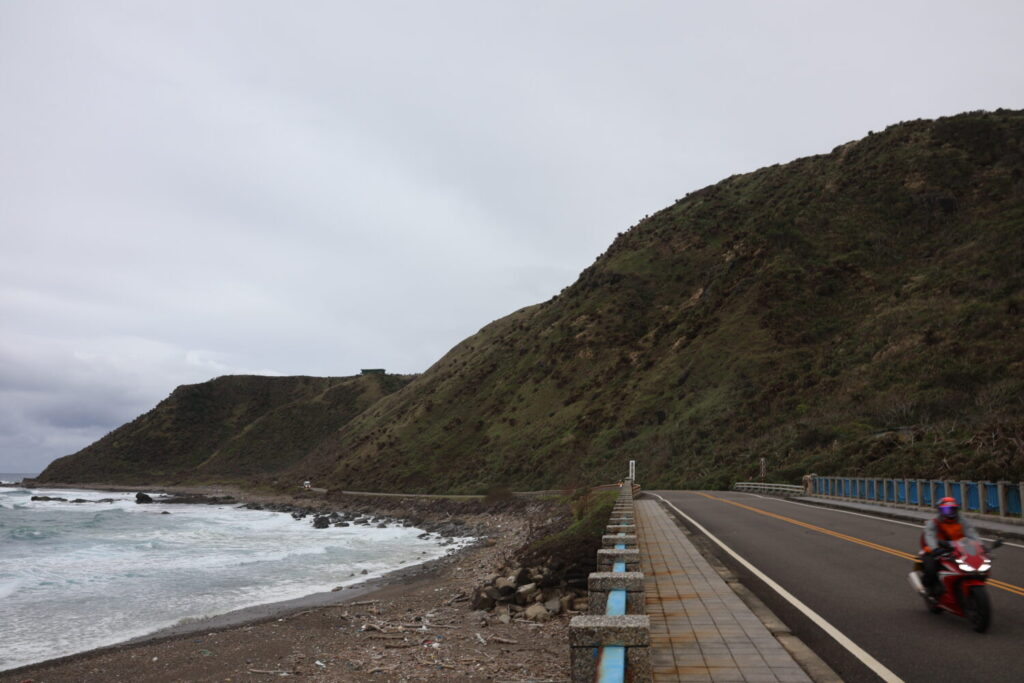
(880, 669)
(917, 525)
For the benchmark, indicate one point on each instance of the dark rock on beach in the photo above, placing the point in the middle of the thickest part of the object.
(142, 498)
(198, 499)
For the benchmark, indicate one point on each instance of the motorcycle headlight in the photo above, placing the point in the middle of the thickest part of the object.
(964, 567)
(985, 566)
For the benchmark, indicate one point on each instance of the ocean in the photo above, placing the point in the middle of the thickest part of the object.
(77, 576)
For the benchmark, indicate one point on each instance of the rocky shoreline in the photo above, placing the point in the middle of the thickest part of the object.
(432, 621)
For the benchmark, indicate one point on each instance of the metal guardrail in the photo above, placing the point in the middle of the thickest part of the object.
(771, 489)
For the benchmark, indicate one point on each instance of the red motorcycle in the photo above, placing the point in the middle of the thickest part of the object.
(963, 569)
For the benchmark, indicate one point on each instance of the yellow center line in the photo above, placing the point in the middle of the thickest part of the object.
(1009, 587)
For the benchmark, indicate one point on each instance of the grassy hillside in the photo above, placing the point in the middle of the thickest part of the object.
(855, 312)
(859, 312)
(230, 428)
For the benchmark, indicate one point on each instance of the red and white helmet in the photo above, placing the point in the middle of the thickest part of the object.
(948, 508)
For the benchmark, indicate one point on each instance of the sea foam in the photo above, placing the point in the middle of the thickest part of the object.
(76, 576)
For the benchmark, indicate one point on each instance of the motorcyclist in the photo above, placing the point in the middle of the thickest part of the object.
(938, 533)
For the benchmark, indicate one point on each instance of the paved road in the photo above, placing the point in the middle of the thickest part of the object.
(861, 589)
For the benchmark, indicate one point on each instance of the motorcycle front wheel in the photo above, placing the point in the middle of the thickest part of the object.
(977, 608)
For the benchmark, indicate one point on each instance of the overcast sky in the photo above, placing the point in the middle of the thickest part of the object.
(193, 189)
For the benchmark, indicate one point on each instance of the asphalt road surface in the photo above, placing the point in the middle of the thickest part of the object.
(851, 569)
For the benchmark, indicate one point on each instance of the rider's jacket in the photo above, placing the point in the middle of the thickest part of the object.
(938, 529)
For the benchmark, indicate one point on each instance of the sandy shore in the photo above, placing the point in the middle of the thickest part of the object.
(410, 625)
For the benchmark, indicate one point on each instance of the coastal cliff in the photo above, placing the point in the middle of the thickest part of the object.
(856, 312)
(237, 428)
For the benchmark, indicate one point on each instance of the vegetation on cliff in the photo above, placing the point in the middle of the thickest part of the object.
(857, 312)
(228, 429)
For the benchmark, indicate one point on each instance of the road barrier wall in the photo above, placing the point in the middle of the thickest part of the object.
(999, 498)
(612, 642)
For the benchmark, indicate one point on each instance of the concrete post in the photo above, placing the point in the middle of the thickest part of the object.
(589, 633)
(612, 540)
(600, 584)
(1001, 493)
(607, 557)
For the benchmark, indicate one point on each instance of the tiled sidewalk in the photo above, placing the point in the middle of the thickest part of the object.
(700, 629)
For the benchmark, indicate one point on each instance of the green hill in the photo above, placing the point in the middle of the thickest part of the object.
(227, 429)
(857, 312)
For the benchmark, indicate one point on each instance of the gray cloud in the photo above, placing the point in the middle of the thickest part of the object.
(193, 189)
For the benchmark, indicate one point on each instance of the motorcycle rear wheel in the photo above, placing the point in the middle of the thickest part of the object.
(977, 608)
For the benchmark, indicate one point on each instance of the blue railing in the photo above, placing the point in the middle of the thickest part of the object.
(613, 664)
(986, 497)
(611, 667)
(616, 603)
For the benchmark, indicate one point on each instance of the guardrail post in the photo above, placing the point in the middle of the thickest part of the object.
(614, 540)
(1001, 493)
(590, 635)
(607, 557)
(600, 584)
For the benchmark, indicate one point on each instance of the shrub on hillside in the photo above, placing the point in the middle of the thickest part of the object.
(571, 554)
